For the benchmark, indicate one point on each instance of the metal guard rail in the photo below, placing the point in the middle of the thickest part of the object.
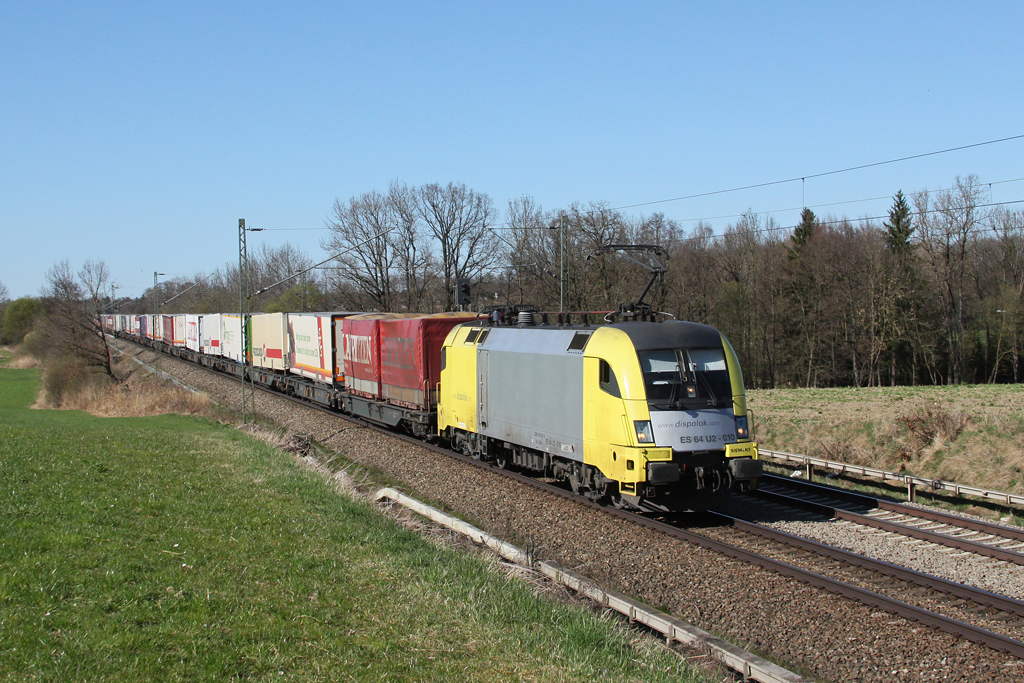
(910, 481)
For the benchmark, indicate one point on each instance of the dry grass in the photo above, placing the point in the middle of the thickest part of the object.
(930, 423)
(970, 434)
(18, 359)
(24, 362)
(139, 395)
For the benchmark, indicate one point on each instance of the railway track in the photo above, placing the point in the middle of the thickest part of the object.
(953, 607)
(1005, 614)
(996, 610)
(844, 648)
(1002, 543)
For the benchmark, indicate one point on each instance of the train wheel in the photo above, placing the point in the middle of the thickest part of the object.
(502, 459)
(460, 443)
(575, 479)
(468, 450)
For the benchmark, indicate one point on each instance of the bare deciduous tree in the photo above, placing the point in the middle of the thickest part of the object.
(531, 269)
(1007, 304)
(460, 220)
(934, 296)
(948, 229)
(5, 298)
(74, 305)
(414, 260)
(360, 229)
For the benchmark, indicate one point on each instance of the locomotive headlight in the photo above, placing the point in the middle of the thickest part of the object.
(644, 435)
(741, 427)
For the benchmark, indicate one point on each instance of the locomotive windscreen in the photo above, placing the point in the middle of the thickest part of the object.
(677, 379)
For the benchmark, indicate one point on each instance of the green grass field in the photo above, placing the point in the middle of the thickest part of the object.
(174, 548)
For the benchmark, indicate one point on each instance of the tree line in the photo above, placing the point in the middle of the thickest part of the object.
(930, 294)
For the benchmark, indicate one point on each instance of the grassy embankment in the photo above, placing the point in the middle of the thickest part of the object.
(175, 548)
(969, 434)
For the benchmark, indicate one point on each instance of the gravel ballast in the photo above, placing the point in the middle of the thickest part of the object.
(996, 576)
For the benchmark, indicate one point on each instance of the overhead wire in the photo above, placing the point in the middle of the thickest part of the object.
(820, 206)
(818, 175)
(802, 178)
(771, 211)
(838, 221)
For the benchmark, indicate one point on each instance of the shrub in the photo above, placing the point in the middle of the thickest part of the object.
(61, 378)
(931, 422)
(18, 318)
(42, 341)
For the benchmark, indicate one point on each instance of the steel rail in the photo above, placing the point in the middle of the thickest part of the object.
(952, 626)
(959, 590)
(870, 598)
(902, 508)
(891, 605)
(902, 529)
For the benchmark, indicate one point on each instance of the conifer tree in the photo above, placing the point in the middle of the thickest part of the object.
(900, 226)
(803, 232)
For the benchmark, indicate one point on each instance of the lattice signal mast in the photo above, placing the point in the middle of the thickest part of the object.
(244, 313)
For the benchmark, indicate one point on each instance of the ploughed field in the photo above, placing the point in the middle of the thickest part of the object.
(800, 627)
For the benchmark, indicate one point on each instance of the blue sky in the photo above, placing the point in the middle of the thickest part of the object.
(140, 133)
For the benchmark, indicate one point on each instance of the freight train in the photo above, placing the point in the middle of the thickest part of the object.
(639, 414)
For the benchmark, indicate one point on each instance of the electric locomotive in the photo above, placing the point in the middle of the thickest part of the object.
(646, 415)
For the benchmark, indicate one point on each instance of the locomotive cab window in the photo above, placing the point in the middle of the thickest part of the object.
(471, 337)
(444, 357)
(607, 380)
(676, 379)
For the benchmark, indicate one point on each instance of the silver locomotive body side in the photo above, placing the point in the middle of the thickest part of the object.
(530, 390)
